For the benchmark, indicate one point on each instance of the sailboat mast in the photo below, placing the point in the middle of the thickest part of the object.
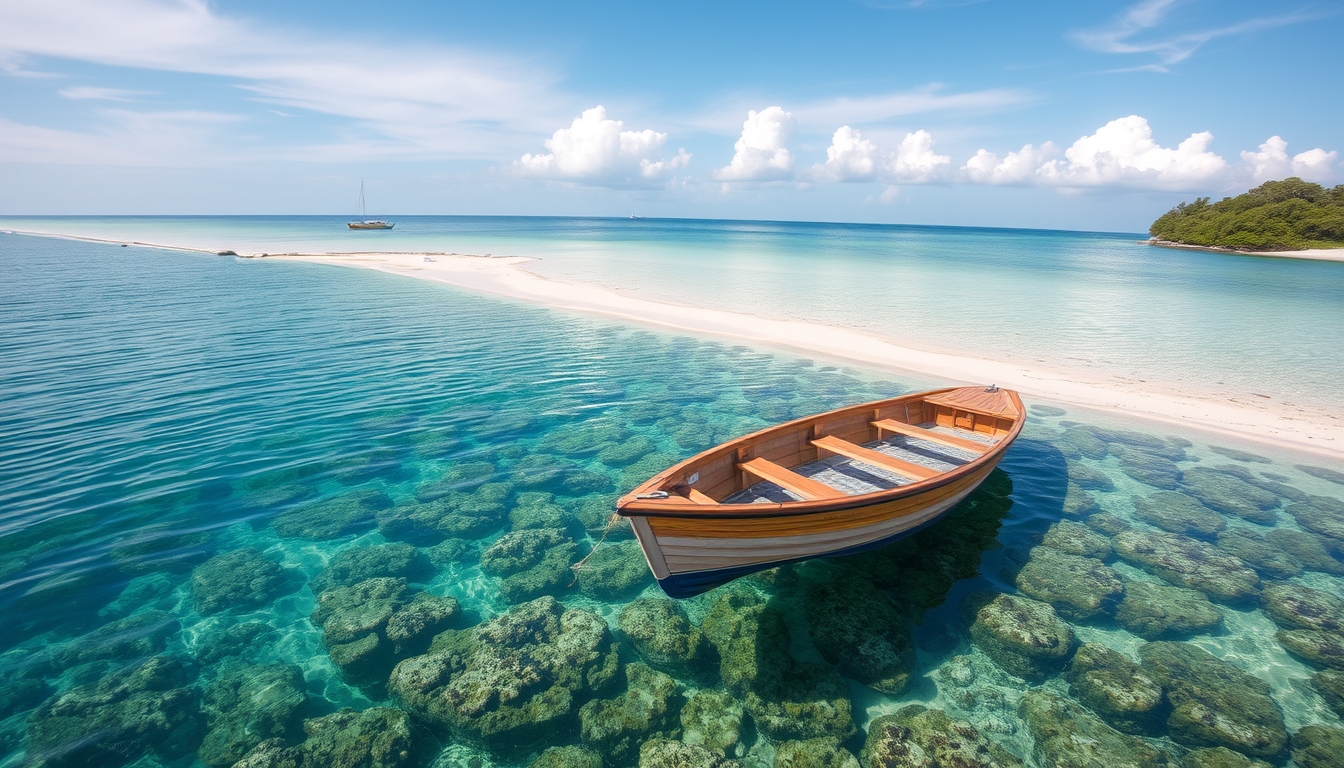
(363, 216)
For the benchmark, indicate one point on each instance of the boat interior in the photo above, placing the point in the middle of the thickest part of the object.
(849, 452)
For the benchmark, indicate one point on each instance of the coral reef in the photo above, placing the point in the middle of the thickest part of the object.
(1227, 493)
(1323, 515)
(615, 570)
(1074, 538)
(665, 753)
(662, 634)
(367, 626)
(1066, 735)
(380, 737)
(1186, 562)
(246, 705)
(1178, 513)
(1078, 587)
(334, 517)
(1117, 689)
(927, 738)
(824, 752)
(1330, 685)
(1253, 549)
(531, 563)
(356, 564)
(1318, 746)
(614, 728)
(712, 720)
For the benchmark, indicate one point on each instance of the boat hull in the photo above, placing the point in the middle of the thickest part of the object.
(358, 225)
(691, 557)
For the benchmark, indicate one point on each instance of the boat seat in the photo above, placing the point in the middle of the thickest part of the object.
(874, 458)
(696, 496)
(910, 430)
(790, 481)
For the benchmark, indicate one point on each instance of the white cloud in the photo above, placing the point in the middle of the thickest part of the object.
(83, 92)
(438, 101)
(1272, 162)
(854, 158)
(1123, 153)
(915, 160)
(849, 158)
(1120, 35)
(123, 138)
(1015, 168)
(596, 148)
(762, 152)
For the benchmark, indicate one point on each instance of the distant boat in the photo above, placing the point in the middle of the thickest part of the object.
(836, 483)
(364, 221)
(636, 218)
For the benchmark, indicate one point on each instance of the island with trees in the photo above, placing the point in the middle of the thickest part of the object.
(1288, 215)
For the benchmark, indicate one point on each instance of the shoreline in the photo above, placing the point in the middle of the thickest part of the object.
(1239, 418)
(1311, 254)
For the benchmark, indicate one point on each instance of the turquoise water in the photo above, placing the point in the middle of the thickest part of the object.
(1094, 304)
(195, 448)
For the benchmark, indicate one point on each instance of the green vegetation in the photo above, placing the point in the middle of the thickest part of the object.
(1283, 215)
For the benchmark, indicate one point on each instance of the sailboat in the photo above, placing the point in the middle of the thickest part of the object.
(364, 221)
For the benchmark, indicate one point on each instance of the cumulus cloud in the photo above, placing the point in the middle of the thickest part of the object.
(854, 158)
(1272, 162)
(597, 148)
(761, 152)
(1014, 168)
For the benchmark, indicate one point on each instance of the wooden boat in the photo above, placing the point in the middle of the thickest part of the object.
(364, 221)
(836, 483)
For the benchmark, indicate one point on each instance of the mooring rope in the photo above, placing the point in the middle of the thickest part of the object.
(615, 518)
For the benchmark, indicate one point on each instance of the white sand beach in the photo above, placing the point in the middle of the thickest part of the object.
(1316, 254)
(1250, 418)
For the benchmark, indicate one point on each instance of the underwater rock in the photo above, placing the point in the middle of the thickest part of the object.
(750, 636)
(134, 637)
(1148, 468)
(379, 737)
(1186, 562)
(1083, 442)
(368, 625)
(338, 516)
(1220, 757)
(585, 439)
(1067, 736)
(1323, 515)
(21, 683)
(463, 477)
(627, 453)
(1293, 606)
(1308, 548)
(1024, 637)
(510, 683)
(153, 590)
(661, 633)
(540, 471)
(1078, 502)
(1256, 551)
(536, 509)
(918, 736)
(824, 752)
(453, 551)
(355, 564)
(1330, 685)
(1117, 689)
(238, 640)
(583, 482)
(1078, 587)
(712, 720)
(133, 712)
(1077, 539)
(247, 704)
(1213, 703)
(1089, 479)
(567, 757)
(595, 514)
(1322, 649)
(531, 563)
(241, 580)
(154, 548)
(1108, 524)
(647, 709)
(1331, 475)
(805, 702)
(1178, 513)
(1319, 746)
(1157, 611)
(614, 570)
(855, 627)
(457, 515)
(665, 753)
(643, 469)
(1239, 455)
(1047, 410)
(1226, 493)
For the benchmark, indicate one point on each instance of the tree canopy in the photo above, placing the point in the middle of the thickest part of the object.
(1286, 215)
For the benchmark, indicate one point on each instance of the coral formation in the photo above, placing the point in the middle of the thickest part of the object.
(1024, 637)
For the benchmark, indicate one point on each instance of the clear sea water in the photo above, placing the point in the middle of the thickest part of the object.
(162, 410)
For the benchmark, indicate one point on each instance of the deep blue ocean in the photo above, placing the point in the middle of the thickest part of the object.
(289, 514)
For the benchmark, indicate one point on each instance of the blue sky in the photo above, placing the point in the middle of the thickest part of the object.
(1050, 114)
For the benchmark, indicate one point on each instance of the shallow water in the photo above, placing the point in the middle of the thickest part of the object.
(164, 412)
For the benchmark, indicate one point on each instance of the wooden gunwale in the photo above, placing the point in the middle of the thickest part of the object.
(629, 506)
